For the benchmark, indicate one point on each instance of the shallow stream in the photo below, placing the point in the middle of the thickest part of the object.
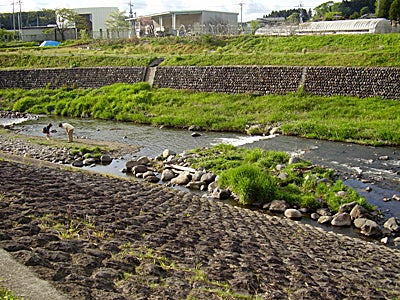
(378, 165)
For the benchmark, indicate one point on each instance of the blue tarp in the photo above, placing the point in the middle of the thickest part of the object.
(49, 43)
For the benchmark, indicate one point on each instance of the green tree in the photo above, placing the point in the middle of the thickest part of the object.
(394, 11)
(65, 19)
(254, 26)
(382, 8)
(322, 9)
(116, 22)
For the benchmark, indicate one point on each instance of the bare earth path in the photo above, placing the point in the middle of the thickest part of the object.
(96, 237)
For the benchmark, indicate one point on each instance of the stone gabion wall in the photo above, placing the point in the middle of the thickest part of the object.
(75, 77)
(234, 79)
(346, 81)
(261, 80)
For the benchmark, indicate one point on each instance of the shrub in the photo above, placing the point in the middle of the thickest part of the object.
(249, 183)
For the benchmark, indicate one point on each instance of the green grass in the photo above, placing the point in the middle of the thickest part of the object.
(8, 295)
(371, 121)
(323, 50)
(253, 176)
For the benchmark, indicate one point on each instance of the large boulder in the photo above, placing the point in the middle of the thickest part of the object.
(368, 227)
(182, 178)
(292, 213)
(393, 224)
(341, 219)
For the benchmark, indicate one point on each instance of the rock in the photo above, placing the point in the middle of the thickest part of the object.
(89, 161)
(195, 185)
(148, 174)
(396, 241)
(139, 169)
(341, 194)
(152, 178)
(384, 157)
(294, 160)
(195, 134)
(396, 197)
(182, 178)
(105, 159)
(359, 212)
(221, 194)
(77, 163)
(292, 213)
(278, 206)
(143, 160)
(325, 219)
(166, 153)
(385, 240)
(167, 175)
(314, 216)
(130, 164)
(323, 212)
(197, 175)
(348, 206)
(341, 219)
(207, 177)
(393, 224)
(367, 227)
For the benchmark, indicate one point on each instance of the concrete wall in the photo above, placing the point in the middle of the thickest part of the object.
(260, 80)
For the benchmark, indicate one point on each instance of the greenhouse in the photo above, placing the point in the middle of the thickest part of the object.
(346, 27)
(358, 26)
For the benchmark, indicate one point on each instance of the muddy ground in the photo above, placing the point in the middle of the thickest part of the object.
(99, 237)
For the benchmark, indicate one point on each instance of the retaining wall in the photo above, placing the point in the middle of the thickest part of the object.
(323, 81)
(74, 77)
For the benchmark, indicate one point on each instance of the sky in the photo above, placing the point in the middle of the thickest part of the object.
(247, 9)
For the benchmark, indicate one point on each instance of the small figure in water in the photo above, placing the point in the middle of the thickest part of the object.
(46, 130)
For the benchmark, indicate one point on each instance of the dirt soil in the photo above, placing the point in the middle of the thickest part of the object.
(99, 237)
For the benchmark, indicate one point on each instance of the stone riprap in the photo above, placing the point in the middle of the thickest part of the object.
(233, 80)
(324, 81)
(73, 77)
(347, 81)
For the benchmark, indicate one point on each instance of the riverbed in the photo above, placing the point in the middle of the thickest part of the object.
(372, 171)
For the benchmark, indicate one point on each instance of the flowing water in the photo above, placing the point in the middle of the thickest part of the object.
(379, 164)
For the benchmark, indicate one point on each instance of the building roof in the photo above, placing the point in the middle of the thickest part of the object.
(182, 12)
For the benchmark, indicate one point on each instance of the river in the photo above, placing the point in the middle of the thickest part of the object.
(379, 167)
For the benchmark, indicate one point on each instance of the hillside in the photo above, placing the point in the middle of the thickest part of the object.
(334, 50)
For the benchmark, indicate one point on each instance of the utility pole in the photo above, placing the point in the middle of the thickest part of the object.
(301, 12)
(133, 24)
(20, 20)
(241, 15)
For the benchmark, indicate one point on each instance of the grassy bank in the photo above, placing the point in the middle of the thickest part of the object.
(331, 50)
(371, 121)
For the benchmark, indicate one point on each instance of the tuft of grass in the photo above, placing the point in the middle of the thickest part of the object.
(249, 183)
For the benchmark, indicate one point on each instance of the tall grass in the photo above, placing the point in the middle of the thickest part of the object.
(372, 121)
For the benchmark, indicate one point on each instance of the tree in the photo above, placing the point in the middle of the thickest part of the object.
(116, 22)
(382, 8)
(254, 25)
(394, 11)
(65, 19)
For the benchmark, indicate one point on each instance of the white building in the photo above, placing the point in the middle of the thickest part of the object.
(194, 22)
(95, 21)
